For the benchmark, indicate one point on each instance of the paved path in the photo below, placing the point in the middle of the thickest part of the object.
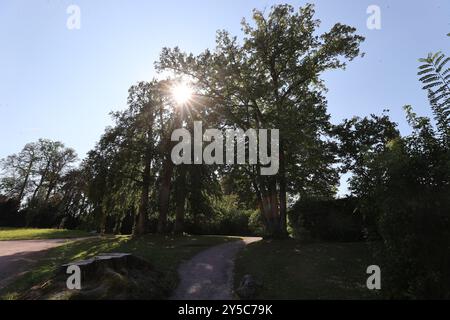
(17, 256)
(209, 274)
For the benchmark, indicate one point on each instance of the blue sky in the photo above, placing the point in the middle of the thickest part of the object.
(61, 84)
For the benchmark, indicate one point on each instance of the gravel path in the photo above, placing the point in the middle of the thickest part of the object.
(209, 274)
(16, 257)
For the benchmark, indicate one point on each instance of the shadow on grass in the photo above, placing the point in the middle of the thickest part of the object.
(165, 253)
(291, 270)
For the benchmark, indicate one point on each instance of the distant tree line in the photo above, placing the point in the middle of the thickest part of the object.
(35, 180)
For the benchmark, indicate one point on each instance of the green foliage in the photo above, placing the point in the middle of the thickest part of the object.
(256, 224)
(228, 218)
(361, 137)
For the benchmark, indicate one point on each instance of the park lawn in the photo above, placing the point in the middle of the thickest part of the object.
(36, 234)
(164, 252)
(290, 270)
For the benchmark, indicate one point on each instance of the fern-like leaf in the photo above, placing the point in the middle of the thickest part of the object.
(428, 78)
(436, 77)
(427, 70)
(432, 85)
(442, 65)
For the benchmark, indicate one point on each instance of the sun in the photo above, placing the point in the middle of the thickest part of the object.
(182, 93)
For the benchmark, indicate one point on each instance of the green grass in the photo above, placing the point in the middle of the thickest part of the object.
(291, 270)
(36, 234)
(164, 252)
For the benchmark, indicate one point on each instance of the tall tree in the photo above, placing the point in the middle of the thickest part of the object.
(127, 157)
(18, 171)
(272, 80)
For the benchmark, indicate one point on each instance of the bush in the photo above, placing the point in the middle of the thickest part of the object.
(256, 223)
(39, 214)
(416, 246)
(328, 220)
(411, 206)
(226, 218)
(10, 216)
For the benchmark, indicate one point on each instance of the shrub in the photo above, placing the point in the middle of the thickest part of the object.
(411, 207)
(226, 218)
(9, 213)
(41, 214)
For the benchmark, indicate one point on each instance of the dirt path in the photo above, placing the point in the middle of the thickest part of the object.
(16, 257)
(209, 274)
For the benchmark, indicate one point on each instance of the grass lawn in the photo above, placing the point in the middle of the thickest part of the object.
(164, 252)
(35, 234)
(291, 270)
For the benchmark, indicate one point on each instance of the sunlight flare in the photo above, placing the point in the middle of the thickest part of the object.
(182, 92)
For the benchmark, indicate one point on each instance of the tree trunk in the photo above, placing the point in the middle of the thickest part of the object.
(274, 208)
(25, 182)
(102, 221)
(49, 191)
(180, 200)
(118, 224)
(41, 181)
(166, 177)
(283, 194)
(260, 201)
(267, 204)
(141, 222)
(164, 194)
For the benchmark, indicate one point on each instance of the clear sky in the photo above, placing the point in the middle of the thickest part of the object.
(61, 84)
